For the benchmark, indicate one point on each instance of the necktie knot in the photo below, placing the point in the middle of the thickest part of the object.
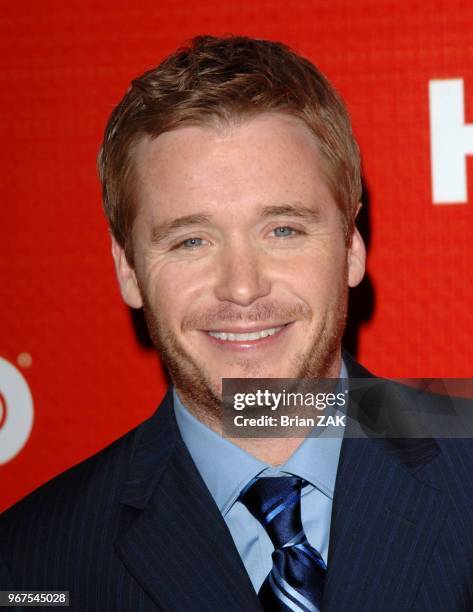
(297, 577)
(276, 503)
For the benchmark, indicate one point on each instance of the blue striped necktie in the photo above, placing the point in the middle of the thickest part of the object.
(297, 577)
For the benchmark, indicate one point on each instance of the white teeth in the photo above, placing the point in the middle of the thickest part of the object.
(242, 337)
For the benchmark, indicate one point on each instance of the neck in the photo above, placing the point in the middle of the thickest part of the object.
(274, 451)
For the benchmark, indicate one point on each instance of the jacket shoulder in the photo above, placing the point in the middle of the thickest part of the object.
(85, 493)
(64, 532)
(83, 476)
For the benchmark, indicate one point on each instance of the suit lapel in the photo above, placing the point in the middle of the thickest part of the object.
(179, 548)
(385, 520)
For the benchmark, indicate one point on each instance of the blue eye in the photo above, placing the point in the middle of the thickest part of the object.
(284, 232)
(191, 243)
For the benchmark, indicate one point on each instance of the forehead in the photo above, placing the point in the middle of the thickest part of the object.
(226, 168)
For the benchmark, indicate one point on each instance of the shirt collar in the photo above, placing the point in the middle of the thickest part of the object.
(224, 467)
(315, 460)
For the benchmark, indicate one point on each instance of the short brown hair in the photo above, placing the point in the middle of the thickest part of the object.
(223, 79)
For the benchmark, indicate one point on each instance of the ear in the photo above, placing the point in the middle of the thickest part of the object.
(356, 258)
(126, 277)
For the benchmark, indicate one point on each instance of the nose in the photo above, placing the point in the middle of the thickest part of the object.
(242, 277)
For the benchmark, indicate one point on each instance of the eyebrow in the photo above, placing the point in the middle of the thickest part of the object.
(293, 210)
(163, 230)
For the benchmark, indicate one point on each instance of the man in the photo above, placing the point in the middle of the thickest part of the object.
(231, 182)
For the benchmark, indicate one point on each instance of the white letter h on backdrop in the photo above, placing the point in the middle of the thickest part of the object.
(451, 139)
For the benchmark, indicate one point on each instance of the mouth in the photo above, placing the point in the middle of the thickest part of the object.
(240, 338)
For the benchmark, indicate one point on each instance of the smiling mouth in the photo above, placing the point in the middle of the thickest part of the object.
(246, 336)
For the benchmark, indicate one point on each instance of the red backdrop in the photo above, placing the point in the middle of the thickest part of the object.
(64, 65)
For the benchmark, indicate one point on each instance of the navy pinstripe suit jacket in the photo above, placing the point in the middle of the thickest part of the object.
(134, 528)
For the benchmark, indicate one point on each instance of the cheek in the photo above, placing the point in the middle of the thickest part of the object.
(316, 276)
(172, 290)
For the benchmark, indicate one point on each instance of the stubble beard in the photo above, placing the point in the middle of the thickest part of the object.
(196, 389)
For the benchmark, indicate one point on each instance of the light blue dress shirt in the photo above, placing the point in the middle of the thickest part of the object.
(226, 469)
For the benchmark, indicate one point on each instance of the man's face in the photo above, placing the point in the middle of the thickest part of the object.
(240, 257)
